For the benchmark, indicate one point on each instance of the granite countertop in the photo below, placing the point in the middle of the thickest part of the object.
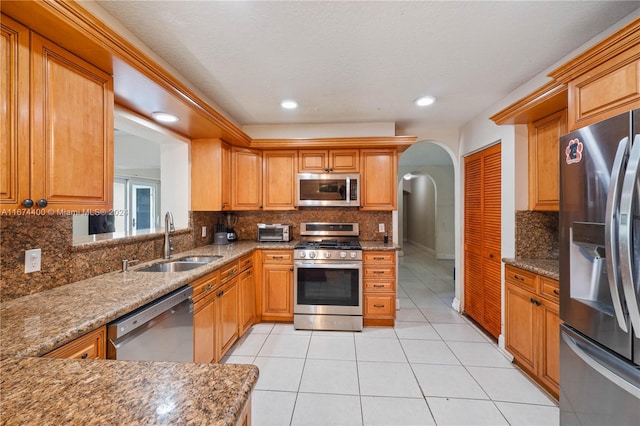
(378, 245)
(64, 391)
(549, 268)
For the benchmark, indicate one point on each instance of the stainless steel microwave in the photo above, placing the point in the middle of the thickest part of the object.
(274, 232)
(328, 190)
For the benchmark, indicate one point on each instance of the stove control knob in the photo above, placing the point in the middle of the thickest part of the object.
(303, 254)
(343, 254)
(312, 255)
(353, 254)
(327, 254)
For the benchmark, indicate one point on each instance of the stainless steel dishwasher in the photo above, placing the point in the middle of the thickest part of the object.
(159, 331)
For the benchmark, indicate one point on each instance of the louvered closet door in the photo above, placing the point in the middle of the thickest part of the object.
(483, 238)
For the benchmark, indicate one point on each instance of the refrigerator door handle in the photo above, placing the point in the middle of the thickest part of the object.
(592, 359)
(627, 199)
(611, 231)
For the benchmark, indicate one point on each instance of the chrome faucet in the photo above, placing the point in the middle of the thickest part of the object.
(168, 228)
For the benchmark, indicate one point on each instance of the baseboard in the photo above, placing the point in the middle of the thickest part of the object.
(446, 257)
(502, 348)
(456, 305)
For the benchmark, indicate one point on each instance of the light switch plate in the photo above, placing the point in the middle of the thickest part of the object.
(32, 260)
(381, 227)
(204, 231)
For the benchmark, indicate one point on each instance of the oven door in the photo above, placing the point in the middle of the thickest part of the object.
(327, 287)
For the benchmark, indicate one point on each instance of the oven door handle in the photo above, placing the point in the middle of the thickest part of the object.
(324, 265)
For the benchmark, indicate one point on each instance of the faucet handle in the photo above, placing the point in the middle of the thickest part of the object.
(127, 262)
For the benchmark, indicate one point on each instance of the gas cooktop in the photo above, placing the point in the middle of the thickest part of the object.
(329, 244)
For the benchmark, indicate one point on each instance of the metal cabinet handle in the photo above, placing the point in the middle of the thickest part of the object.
(378, 272)
(220, 294)
(518, 277)
(42, 203)
(378, 258)
(378, 306)
(278, 257)
(84, 355)
(378, 285)
(291, 269)
(556, 292)
(535, 301)
(28, 203)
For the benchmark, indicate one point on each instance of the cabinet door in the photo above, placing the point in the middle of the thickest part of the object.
(210, 175)
(549, 366)
(544, 192)
(277, 291)
(14, 110)
(313, 160)
(227, 319)
(279, 180)
(379, 179)
(204, 331)
(247, 285)
(72, 130)
(344, 160)
(520, 326)
(246, 182)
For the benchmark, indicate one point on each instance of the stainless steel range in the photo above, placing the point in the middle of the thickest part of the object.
(327, 272)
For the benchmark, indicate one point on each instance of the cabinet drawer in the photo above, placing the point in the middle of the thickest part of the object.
(204, 285)
(90, 346)
(246, 262)
(550, 289)
(277, 256)
(382, 306)
(378, 257)
(379, 272)
(229, 271)
(522, 278)
(379, 286)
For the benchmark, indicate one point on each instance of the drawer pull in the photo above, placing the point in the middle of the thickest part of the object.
(518, 277)
(208, 287)
(378, 272)
(535, 301)
(556, 292)
(84, 355)
(378, 258)
(278, 257)
(378, 306)
(378, 285)
(220, 294)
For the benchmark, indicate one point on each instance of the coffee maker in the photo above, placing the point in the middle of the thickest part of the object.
(230, 221)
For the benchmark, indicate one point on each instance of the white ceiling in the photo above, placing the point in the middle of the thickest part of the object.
(362, 61)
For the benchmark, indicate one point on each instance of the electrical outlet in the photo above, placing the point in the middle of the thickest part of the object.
(381, 227)
(32, 260)
(204, 231)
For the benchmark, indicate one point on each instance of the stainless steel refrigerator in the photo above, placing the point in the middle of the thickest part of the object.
(599, 273)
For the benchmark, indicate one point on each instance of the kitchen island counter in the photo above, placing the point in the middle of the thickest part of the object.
(67, 391)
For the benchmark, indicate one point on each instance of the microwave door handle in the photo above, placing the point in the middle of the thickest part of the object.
(630, 189)
(611, 230)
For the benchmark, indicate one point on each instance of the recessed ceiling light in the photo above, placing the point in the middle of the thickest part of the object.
(425, 101)
(164, 117)
(289, 104)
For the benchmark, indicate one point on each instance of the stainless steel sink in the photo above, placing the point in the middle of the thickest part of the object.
(182, 264)
(200, 259)
(175, 266)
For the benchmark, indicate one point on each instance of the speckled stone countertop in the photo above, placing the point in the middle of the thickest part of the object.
(378, 245)
(38, 391)
(549, 268)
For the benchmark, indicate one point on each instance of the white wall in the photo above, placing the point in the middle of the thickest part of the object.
(419, 227)
(175, 183)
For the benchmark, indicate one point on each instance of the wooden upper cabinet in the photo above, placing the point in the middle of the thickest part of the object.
(210, 175)
(544, 157)
(279, 180)
(379, 172)
(329, 161)
(246, 179)
(608, 90)
(14, 122)
(72, 129)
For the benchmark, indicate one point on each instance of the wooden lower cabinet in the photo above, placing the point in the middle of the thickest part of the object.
(532, 326)
(277, 285)
(90, 346)
(246, 294)
(226, 317)
(379, 287)
(204, 347)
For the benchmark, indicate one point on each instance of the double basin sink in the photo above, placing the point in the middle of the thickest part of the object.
(180, 265)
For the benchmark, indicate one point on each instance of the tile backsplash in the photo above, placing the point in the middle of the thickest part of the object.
(63, 263)
(537, 235)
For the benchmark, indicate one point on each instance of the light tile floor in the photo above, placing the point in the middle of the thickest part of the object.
(433, 367)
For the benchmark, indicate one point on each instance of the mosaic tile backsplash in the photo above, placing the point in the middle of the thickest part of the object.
(62, 263)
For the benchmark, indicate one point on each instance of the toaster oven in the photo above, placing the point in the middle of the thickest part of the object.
(274, 232)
